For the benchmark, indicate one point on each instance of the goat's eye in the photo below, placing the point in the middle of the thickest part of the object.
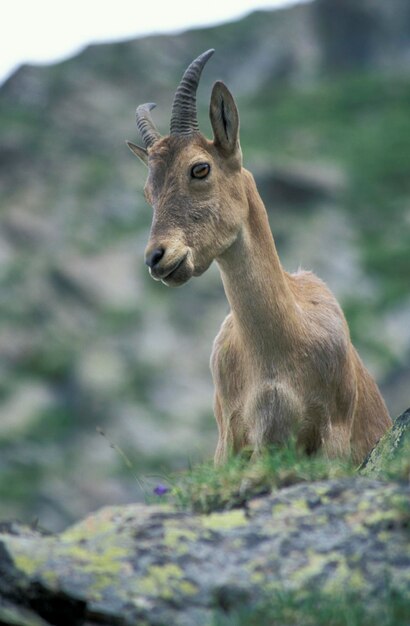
(200, 170)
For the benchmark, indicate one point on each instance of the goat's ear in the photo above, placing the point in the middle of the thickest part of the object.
(224, 119)
(141, 153)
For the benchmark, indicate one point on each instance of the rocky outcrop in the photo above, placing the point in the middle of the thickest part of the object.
(365, 34)
(393, 447)
(152, 565)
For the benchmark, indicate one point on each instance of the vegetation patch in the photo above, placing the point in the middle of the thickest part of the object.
(205, 488)
(313, 608)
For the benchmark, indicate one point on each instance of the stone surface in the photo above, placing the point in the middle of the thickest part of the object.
(142, 564)
(394, 441)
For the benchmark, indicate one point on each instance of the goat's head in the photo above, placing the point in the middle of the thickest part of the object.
(194, 185)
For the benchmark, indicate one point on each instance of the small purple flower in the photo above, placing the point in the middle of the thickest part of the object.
(161, 490)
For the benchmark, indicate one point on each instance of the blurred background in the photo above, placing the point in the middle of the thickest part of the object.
(87, 339)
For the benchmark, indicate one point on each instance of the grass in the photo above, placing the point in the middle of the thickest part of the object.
(313, 608)
(204, 488)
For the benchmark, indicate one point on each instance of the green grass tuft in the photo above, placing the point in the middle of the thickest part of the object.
(205, 488)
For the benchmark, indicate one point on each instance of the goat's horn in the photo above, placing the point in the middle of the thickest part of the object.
(183, 117)
(145, 124)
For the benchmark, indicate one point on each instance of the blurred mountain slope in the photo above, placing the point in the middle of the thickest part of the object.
(86, 338)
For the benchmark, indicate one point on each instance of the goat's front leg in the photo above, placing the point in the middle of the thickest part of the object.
(336, 439)
(221, 452)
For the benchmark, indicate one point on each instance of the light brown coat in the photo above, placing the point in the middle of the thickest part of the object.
(283, 362)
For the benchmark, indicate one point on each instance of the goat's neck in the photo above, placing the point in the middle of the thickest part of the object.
(257, 287)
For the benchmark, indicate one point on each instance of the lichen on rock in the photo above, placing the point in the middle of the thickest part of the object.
(393, 448)
(149, 564)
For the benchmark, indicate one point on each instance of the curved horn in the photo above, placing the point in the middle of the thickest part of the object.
(145, 124)
(183, 117)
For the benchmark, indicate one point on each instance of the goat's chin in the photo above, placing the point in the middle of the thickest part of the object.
(201, 267)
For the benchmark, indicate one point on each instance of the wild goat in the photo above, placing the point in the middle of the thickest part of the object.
(283, 361)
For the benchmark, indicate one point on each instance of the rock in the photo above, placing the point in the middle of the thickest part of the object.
(365, 34)
(21, 410)
(25, 229)
(102, 370)
(18, 616)
(385, 453)
(108, 279)
(299, 183)
(152, 565)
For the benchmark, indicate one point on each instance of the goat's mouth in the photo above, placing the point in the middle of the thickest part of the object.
(176, 274)
(180, 273)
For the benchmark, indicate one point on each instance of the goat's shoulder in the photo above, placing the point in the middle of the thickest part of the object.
(324, 325)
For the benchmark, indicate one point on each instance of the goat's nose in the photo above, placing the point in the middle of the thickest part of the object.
(154, 257)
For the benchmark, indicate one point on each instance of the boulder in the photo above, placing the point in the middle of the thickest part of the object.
(390, 450)
(154, 565)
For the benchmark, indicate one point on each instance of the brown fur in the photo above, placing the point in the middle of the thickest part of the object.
(283, 361)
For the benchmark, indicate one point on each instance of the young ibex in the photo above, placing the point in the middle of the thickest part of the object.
(283, 361)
